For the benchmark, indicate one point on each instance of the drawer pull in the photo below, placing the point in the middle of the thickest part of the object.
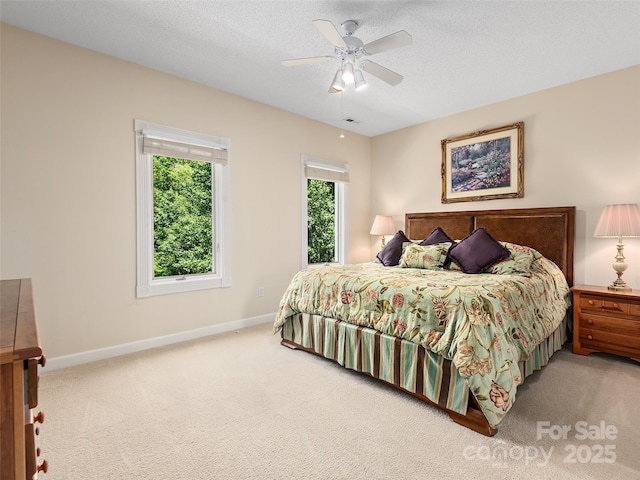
(42, 361)
(39, 418)
(589, 321)
(43, 467)
(590, 337)
(615, 305)
(591, 302)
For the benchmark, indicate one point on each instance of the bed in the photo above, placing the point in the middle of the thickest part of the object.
(460, 341)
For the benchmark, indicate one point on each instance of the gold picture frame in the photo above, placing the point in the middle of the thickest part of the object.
(484, 165)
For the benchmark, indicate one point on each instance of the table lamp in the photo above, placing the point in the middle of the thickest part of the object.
(619, 221)
(383, 225)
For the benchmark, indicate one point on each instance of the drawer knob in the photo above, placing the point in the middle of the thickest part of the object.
(39, 418)
(43, 467)
(589, 321)
(42, 361)
(591, 302)
(615, 305)
(590, 337)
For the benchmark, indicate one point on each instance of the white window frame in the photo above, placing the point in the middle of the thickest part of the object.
(147, 285)
(341, 192)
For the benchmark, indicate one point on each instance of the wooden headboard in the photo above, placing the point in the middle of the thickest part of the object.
(551, 231)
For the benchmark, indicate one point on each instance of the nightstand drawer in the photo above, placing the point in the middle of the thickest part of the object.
(604, 304)
(622, 326)
(591, 302)
(612, 305)
(610, 342)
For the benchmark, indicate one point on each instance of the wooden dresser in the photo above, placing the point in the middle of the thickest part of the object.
(606, 321)
(20, 353)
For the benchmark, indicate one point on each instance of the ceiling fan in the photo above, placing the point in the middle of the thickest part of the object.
(352, 53)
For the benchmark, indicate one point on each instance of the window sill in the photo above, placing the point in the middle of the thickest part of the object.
(185, 284)
(319, 265)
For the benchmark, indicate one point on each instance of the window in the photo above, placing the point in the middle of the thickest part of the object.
(182, 204)
(324, 194)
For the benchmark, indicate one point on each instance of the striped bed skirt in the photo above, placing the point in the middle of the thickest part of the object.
(400, 362)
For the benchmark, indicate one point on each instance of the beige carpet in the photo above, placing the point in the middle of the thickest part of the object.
(240, 406)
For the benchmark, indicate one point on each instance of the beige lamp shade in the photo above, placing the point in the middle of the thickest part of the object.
(619, 221)
(383, 225)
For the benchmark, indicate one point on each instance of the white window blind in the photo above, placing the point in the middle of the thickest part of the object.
(170, 148)
(179, 146)
(327, 171)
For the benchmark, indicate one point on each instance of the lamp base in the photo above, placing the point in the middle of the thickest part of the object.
(619, 286)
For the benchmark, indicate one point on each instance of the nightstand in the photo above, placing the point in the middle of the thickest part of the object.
(606, 321)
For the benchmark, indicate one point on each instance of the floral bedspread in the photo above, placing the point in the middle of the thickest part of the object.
(484, 323)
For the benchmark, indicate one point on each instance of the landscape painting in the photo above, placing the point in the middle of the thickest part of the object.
(484, 165)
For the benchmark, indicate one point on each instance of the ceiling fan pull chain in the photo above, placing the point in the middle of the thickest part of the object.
(341, 114)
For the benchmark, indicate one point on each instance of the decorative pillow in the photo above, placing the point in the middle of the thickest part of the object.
(429, 257)
(390, 255)
(437, 236)
(479, 250)
(517, 263)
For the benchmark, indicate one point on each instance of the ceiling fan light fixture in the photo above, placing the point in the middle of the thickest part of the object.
(338, 82)
(359, 80)
(350, 50)
(347, 72)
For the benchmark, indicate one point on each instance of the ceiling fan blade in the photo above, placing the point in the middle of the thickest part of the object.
(305, 61)
(330, 32)
(395, 40)
(384, 74)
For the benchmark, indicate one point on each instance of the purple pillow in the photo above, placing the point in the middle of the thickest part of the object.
(390, 255)
(477, 251)
(437, 236)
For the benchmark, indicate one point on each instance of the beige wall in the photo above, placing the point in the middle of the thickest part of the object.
(68, 192)
(582, 148)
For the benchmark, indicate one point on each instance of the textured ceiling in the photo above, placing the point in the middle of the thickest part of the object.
(465, 54)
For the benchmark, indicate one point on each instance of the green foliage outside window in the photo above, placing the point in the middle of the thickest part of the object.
(321, 221)
(182, 217)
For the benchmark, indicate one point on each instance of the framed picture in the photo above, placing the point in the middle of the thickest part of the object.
(484, 165)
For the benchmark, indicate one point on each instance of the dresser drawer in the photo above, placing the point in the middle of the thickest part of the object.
(32, 383)
(622, 326)
(30, 451)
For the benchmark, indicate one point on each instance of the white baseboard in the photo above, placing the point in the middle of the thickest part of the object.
(132, 347)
